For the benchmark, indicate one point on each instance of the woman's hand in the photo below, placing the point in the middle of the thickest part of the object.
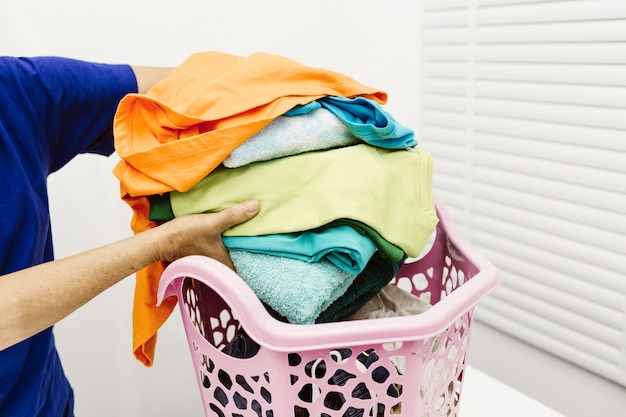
(201, 234)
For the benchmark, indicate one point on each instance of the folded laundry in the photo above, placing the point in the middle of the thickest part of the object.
(161, 210)
(323, 124)
(378, 272)
(186, 125)
(291, 135)
(173, 142)
(343, 246)
(318, 284)
(390, 191)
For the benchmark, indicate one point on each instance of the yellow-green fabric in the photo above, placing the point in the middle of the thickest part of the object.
(388, 190)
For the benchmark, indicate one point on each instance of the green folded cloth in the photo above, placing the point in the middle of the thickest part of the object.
(161, 210)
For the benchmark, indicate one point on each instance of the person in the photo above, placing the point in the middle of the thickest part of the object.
(52, 109)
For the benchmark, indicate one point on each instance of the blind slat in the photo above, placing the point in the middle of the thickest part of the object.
(442, 53)
(444, 119)
(445, 86)
(578, 155)
(442, 36)
(551, 340)
(607, 75)
(550, 170)
(556, 113)
(526, 183)
(570, 53)
(549, 205)
(558, 11)
(443, 4)
(451, 103)
(604, 305)
(587, 95)
(432, 135)
(549, 328)
(530, 241)
(446, 70)
(610, 31)
(607, 238)
(571, 319)
(452, 153)
(445, 18)
(601, 137)
(504, 2)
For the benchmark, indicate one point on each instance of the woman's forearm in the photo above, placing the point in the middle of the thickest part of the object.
(35, 298)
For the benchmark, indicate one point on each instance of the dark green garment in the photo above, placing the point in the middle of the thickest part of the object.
(160, 208)
(378, 273)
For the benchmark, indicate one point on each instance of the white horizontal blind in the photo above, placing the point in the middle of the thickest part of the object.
(524, 110)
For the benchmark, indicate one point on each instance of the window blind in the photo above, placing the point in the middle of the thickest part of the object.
(523, 105)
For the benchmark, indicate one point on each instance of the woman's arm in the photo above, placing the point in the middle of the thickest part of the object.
(149, 76)
(35, 298)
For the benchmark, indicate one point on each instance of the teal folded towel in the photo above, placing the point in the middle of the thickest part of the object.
(342, 245)
(295, 289)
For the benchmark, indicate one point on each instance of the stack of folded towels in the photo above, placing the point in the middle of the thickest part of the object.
(345, 192)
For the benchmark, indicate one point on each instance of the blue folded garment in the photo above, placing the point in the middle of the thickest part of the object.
(367, 120)
(342, 245)
(297, 290)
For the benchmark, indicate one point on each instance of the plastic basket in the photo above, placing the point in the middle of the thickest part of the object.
(405, 366)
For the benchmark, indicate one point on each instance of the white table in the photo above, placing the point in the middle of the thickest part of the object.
(484, 396)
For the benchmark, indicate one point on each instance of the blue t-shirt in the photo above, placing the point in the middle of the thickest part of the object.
(51, 109)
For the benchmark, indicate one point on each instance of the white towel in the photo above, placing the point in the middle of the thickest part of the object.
(290, 135)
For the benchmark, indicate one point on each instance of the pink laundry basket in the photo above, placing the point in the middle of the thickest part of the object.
(410, 366)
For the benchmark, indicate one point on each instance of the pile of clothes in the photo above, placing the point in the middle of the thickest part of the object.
(345, 193)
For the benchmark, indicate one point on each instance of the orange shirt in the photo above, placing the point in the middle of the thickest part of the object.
(186, 125)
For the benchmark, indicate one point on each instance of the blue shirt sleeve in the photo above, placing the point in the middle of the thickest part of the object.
(61, 107)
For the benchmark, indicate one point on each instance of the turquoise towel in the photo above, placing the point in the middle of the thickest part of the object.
(343, 246)
(296, 290)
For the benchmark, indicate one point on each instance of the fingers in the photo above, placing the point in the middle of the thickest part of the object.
(237, 213)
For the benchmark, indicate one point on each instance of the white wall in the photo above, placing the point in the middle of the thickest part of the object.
(370, 40)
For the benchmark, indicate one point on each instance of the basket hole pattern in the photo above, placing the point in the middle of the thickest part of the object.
(238, 392)
(439, 272)
(228, 395)
(442, 369)
(348, 383)
(216, 322)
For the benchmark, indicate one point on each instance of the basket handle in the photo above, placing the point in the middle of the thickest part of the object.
(223, 280)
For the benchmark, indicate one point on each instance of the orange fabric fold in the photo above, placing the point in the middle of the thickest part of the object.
(186, 125)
